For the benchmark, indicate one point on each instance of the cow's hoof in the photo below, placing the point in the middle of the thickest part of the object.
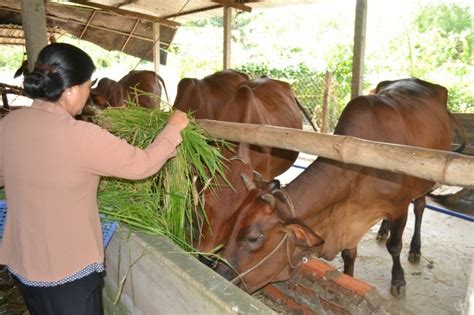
(381, 237)
(414, 258)
(398, 291)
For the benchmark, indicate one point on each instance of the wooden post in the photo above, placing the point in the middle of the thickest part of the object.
(33, 16)
(156, 46)
(326, 99)
(227, 36)
(434, 165)
(359, 48)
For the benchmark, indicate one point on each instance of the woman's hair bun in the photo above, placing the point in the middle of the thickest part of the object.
(44, 83)
(59, 66)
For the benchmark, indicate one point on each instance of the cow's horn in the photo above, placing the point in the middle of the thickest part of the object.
(270, 199)
(257, 177)
(248, 184)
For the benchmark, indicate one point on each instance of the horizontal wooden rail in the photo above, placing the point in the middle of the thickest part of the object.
(439, 166)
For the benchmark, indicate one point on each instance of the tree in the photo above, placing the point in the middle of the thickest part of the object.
(454, 24)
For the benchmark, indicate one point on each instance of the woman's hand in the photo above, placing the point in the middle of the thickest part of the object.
(178, 119)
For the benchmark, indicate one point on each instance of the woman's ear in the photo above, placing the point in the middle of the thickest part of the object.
(69, 91)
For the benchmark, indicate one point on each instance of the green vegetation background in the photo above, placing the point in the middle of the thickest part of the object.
(434, 40)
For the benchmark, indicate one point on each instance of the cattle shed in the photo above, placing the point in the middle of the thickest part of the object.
(144, 29)
(148, 275)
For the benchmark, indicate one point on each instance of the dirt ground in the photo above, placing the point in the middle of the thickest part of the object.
(438, 284)
(11, 300)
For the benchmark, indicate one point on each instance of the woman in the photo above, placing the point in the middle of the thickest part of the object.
(50, 165)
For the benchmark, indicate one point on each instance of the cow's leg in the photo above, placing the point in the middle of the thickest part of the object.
(349, 257)
(382, 234)
(415, 245)
(394, 247)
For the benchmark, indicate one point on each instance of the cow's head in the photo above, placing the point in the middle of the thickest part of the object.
(187, 97)
(267, 241)
(223, 199)
(107, 93)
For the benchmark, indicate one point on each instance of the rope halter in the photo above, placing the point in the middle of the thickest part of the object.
(277, 247)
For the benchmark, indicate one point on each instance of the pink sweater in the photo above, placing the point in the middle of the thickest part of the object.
(50, 165)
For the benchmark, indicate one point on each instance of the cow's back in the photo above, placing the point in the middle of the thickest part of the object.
(266, 101)
(139, 84)
(406, 112)
(205, 97)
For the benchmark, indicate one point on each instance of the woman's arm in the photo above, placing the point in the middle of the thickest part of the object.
(107, 155)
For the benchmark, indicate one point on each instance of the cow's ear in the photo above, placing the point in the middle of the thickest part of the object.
(302, 235)
(94, 82)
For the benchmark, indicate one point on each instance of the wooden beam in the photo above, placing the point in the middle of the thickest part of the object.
(131, 33)
(156, 46)
(233, 4)
(33, 15)
(227, 37)
(182, 13)
(359, 48)
(127, 13)
(89, 20)
(434, 165)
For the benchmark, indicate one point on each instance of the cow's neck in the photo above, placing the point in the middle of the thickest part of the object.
(320, 197)
(320, 186)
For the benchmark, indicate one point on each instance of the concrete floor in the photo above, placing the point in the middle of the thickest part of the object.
(439, 283)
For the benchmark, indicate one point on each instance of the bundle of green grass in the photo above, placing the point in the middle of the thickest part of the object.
(166, 203)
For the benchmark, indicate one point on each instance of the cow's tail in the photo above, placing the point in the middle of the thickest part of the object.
(461, 132)
(306, 115)
(164, 87)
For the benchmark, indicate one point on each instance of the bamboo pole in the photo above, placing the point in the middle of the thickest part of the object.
(439, 166)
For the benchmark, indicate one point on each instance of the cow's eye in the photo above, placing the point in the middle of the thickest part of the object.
(254, 238)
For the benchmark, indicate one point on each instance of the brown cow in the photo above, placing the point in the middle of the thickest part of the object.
(228, 95)
(263, 101)
(331, 205)
(140, 86)
(205, 97)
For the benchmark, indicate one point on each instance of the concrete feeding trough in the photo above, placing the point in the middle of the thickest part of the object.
(160, 278)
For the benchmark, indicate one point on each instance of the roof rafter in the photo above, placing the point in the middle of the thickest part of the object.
(233, 4)
(127, 13)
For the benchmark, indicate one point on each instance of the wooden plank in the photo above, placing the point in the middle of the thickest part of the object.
(469, 150)
(122, 12)
(438, 166)
(359, 48)
(466, 116)
(193, 11)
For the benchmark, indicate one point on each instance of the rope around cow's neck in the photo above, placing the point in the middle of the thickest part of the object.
(283, 239)
(243, 274)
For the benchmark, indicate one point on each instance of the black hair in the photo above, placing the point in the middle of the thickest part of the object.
(59, 66)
